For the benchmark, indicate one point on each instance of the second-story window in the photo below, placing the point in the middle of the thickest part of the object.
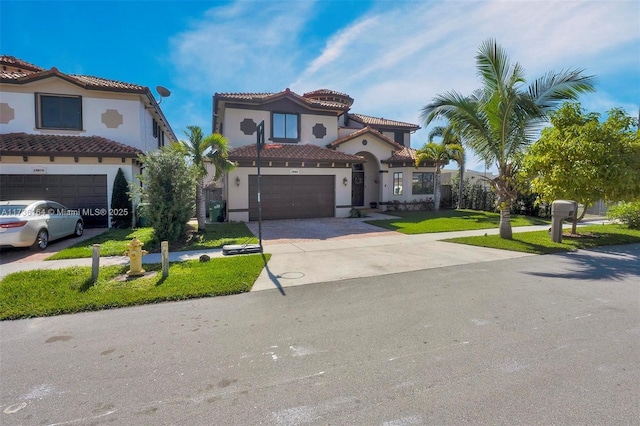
(285, 127)
(58, 111)
(399, 137)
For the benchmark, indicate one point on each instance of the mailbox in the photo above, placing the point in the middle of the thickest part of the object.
(561, 210)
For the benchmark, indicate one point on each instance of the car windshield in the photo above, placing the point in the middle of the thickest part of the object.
(12, 210)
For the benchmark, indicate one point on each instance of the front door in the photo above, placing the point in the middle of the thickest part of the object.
(357, 185)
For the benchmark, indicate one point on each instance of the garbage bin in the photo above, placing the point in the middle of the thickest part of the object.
(141, 211)
(216, 211)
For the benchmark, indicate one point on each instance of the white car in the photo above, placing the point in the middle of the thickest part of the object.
(33, 223)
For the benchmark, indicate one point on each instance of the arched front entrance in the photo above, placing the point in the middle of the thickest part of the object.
(365, 181)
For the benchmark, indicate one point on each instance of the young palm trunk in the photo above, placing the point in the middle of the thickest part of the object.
(436, 191)
(505, 223)
(460, 186)
(200, 206)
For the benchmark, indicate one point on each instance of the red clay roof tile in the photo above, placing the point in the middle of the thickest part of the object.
(363, 131)
(292, 152)
(375, 121)
(66, 146)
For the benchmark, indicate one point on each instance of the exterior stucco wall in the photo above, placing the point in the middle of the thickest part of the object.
(238, 195)
(308, 121)
(237, 138)
(135, 129)
(231, 126)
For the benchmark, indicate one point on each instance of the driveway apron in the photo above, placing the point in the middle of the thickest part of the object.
(306, 251)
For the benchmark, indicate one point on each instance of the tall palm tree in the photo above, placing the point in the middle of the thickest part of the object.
(499, 120)
(200, 150)
(440, 154)
(451, 138)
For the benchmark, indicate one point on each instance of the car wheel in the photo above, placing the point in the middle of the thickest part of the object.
(42, 240)
(79, 229)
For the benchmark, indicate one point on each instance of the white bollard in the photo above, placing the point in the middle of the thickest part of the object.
(164, 246)
(95, 263)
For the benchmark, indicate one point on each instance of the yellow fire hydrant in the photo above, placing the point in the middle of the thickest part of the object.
(135, 254)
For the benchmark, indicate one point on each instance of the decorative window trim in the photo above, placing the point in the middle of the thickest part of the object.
(40, 124)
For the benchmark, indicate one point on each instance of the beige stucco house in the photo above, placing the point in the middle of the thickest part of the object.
(319, 159)
(63, 137)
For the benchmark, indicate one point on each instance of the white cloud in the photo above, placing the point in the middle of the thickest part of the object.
(395, 57)
(239, 46)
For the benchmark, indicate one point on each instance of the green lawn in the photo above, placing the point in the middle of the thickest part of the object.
(539, 242)
(53, 292)
(114, 241)
(449, 220)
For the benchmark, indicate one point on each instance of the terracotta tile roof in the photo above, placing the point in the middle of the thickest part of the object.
(292, 152)
(64, 146)
(103, 83)
(324, 92)
(405, 155)
(361, 132)
(331, 96)
(12, 61)
(268, 97)
(382, 122)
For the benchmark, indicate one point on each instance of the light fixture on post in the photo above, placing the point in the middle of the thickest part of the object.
(237, 180)
(345, 181)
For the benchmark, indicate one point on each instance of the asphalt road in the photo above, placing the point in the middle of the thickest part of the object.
(525, 341)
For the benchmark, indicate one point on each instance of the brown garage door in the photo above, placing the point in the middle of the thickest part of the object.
(292, 197)
(87, 193)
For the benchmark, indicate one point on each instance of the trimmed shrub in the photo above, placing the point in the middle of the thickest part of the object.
(627, 213)
(121, 206)
(169, 190)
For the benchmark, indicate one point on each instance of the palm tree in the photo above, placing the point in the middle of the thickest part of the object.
(440, 154)
(200, 150)
(451, 138)
(499, 120)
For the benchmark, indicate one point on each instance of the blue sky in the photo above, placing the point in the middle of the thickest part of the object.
(392, 57)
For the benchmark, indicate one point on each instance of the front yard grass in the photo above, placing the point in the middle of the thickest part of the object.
(114, 241)
(62, 291)
(423, 222)
(539, 242)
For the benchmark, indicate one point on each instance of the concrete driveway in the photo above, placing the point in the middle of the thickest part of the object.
(320, 229)
(333, 249)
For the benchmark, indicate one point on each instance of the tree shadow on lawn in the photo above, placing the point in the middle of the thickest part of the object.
(602, 263)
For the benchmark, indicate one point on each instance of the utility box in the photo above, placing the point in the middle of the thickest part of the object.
(561, 210)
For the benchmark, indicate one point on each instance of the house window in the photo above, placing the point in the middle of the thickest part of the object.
(399, 137)
(58, 112)
(285, 127)
(397, 183)
(422, 183)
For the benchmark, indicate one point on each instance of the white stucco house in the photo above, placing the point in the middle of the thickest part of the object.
(319, 159)
(63, 137)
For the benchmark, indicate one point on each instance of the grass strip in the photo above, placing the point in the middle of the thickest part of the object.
(52, 292)
(450, 220)
(539, 242)
(114, 241)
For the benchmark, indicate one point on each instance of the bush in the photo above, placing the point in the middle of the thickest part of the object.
(121, 205)
(169, 190)
(627, 213)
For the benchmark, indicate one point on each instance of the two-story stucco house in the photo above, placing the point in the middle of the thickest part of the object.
(319, 159)
(63, 137)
